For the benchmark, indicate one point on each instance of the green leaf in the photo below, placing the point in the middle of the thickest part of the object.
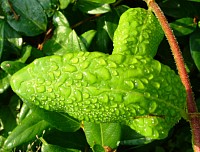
(24, 112)
(4, 81)
(26, 54)
(2, 23)
(194, 47)
(183, 26)
(26, 17)
(194, 0)
(179, 8)
(103, 1)
(60, 121)
(111, 20)
(11, 67)
(87, 37)
(104, 134)
(12, 37)
(98, 148)
(138, 33)
(8, 119)
(61, 43)
(55, 148)
(49, 6)
(72, 140)
(90, 7)
(102, 40)
(64, 3)
(31, 126)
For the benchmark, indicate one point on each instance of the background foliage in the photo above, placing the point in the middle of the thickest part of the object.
(31, 29)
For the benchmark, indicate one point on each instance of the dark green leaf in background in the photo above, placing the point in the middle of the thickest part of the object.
(180, 8)
(60, 121)
(72, 140)
(102, 1)
(87, 6)
(64, 3)
(31, 126)
(12, 37)
(26, 17)
(11, 67)
(24, 112)
(87, 37)
(1, 36)
(195, 47)
(98, 148)
(4, 81)
(64, 38)
(183, 26)
(104, 134)
(49, 6)
(55, 148)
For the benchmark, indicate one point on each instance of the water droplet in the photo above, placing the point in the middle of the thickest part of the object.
(152, 107)
(57, 73)
(49, 90)
(69, 68)
(78, 95)
(74, 60)
(91, 78)
(112, 64)
(51, 76)
(41, 89)
(150, 76)
(101, 61)
(139, 84)
(156, 85)
(78, 76)
(40, 80)
(86, 95)
(53, 66)
(46, 106)
(94, 100)
(145, 80)
(48, 83)
(129, 84)
(103, 73)
(104, 98)
(33, 98)
(147, 94)
(114, 72)
(68, 101)
(84, 65)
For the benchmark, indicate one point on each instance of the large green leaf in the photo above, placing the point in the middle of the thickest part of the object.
(194, 47)
(104, 134)
(26, 16)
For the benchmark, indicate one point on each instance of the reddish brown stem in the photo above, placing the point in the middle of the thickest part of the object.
(191, 105)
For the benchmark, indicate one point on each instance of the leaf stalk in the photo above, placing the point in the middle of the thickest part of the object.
(193, 117)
